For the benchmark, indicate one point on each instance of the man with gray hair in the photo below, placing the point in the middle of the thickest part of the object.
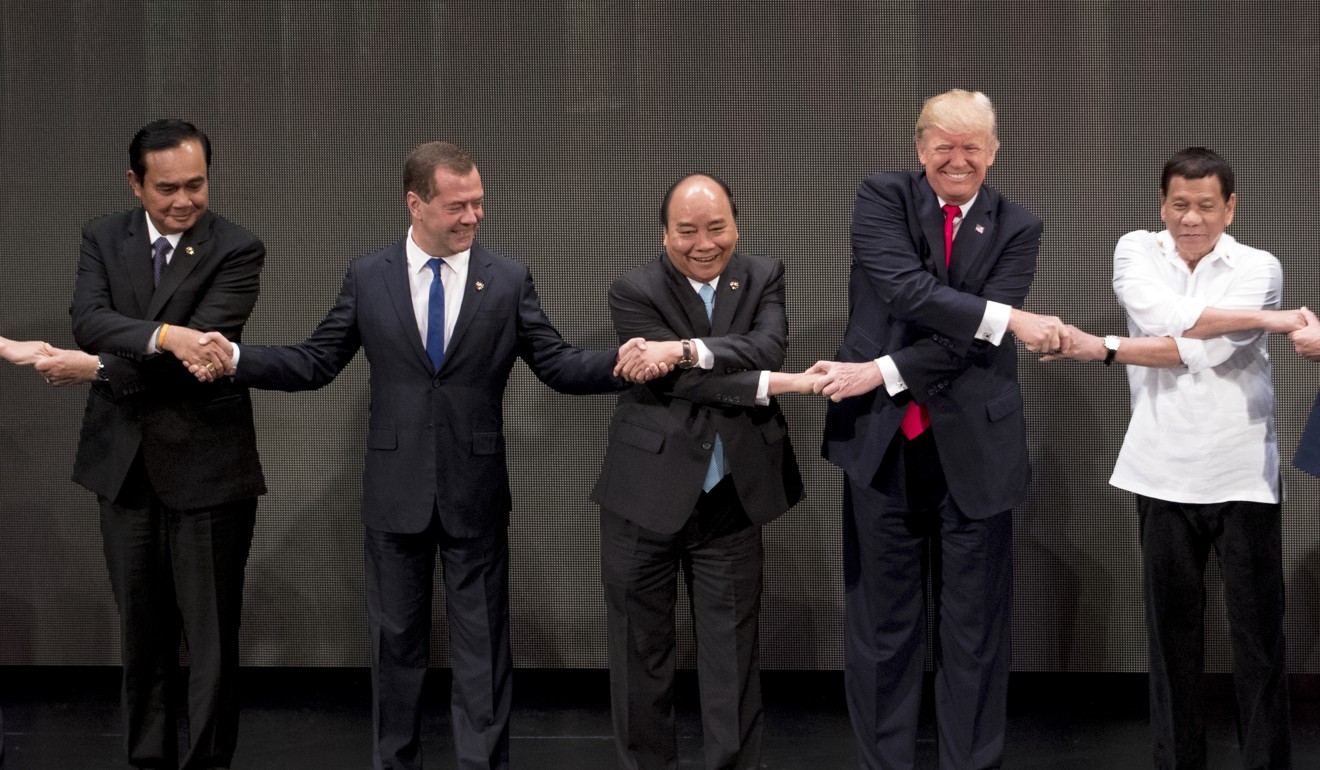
(927, 425)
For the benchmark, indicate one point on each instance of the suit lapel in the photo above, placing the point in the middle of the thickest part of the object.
(135, 255)
(974, 234)
(479, 281)
(193, 248)
(686, 298)
(932, 226)
(728, 295)
(400, 297)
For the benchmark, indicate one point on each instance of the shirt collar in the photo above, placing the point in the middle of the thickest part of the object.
(153, 234)
(1222, 252)
(714, 283)
(417, 258)
(964, 208)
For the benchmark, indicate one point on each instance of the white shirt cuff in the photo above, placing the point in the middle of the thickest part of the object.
(233, 347)
(705, 358)
(893, 380)
(151, 343)
(763, 389)
(994, 323)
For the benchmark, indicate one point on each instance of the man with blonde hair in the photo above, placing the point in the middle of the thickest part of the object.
(927, 425)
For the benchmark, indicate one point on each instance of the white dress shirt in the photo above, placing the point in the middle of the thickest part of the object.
(994, 324)
(1203, 432)
(453, 273)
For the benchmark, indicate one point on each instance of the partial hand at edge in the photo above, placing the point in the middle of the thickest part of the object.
(1306, 340)
(25, 353)
(67, 367)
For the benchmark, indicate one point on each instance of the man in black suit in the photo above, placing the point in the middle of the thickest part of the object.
(696, 462)
(441, 318)
(173, 461)
(936, 458)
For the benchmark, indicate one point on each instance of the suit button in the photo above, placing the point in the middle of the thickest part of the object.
(707, 445)
(435, 383)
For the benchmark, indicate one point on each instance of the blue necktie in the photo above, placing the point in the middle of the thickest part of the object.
(435, 316)
(161, 247)
(716, 470)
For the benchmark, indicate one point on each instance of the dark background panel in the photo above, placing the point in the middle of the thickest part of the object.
(580, 113)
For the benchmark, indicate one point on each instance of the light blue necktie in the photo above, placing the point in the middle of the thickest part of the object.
(435, 316)
(716, 470)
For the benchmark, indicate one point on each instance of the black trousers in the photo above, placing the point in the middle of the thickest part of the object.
(400, 570)
(1176, 539)
(898, 528)
(169, 570)
(719, 552)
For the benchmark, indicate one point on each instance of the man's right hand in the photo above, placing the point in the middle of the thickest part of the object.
(208, 356)
(1040, 333)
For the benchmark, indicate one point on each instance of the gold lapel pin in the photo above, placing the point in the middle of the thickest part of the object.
(480, 285)
(188, 250)
(734, 285)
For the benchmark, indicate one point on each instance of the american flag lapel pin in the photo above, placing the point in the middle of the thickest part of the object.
(980, 228)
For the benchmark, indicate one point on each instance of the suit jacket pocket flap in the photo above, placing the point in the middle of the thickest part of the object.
(382, 438)
(487, 443)
(1003, 406)
(640, 436)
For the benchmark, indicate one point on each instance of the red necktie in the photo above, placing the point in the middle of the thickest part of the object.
(915, 419)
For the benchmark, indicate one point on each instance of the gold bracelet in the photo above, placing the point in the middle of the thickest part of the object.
(160, 336)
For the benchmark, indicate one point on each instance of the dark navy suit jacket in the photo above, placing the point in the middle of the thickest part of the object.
(1308, 448)
(903, 302)
(434, 439)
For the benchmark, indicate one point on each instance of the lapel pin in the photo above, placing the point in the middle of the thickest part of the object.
(734, 285)
(980, 228)
(188, 250)
(480, 286)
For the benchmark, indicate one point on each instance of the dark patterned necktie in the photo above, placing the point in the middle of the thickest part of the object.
(160, 248)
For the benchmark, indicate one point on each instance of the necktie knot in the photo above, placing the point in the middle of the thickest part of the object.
(951, 212)
(159, 249)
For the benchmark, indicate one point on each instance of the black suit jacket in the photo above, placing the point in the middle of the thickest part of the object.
(196, 440)
(434, 439)
(903, 302)
(662, 433)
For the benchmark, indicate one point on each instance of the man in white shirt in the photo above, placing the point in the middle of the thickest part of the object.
(1202, 456)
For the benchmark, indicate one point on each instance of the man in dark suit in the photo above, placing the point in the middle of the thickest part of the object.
(696, 462)
(937, 458)
(441, 319)
(172, 460)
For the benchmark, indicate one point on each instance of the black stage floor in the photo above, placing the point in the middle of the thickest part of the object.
(67, 719)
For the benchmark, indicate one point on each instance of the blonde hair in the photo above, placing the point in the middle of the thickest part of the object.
(958, 112)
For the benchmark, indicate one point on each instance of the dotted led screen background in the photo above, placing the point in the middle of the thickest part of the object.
(579, 113)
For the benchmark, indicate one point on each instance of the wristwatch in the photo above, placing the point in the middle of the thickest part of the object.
(687, 361)
(1111, 349)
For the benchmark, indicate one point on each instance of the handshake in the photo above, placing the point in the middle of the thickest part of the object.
(641, 361)
(207, 356)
